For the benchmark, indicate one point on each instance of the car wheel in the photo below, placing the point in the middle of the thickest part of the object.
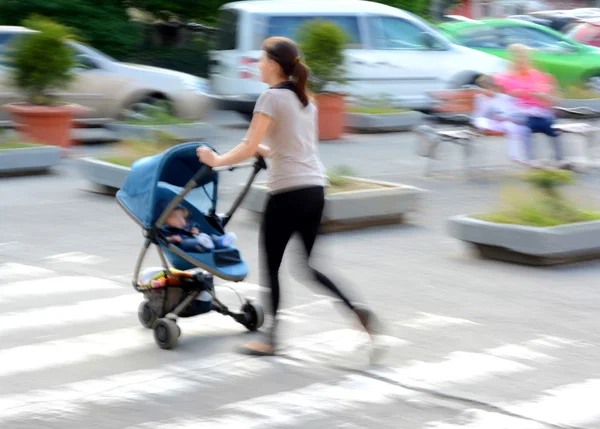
(147, 106)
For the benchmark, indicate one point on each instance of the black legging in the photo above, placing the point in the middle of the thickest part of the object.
(288, 212)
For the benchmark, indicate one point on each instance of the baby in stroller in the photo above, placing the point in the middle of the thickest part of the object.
(188, 237)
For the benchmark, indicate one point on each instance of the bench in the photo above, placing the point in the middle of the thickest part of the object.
(453, 108)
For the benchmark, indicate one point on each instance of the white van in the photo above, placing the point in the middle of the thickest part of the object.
(392, 52)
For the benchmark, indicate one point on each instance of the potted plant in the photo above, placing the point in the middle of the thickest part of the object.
(42, 62)
(322, 44)
(538, 227)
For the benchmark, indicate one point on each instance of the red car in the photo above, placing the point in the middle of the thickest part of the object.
(587, 32)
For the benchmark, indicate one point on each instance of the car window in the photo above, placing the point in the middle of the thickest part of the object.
(479, 38)
(533, 38)
(227, 30)
(398, 34)
(288, 26)
(6, 41)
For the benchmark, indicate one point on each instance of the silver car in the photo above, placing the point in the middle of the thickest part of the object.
(111, 88)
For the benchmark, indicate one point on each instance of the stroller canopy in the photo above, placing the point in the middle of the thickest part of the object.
(141, 194)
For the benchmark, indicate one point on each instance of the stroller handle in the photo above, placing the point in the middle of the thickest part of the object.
(259, 162)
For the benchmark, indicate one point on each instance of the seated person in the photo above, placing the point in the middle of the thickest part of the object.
(533, 91)
(188, 237)
(495, 111)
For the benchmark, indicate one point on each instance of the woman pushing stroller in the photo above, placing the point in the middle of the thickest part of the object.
(286, 119)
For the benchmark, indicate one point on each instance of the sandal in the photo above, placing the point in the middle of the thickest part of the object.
(258, 348)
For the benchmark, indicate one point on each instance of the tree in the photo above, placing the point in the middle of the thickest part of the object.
(202, 10)
(107, 28)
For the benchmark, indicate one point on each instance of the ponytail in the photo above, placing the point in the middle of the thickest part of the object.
(299, 77)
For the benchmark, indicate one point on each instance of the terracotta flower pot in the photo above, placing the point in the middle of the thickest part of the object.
(332, 108)
(44, 124)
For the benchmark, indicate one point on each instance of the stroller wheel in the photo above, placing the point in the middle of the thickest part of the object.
(166, 333)
(255, 316)
(146, 315)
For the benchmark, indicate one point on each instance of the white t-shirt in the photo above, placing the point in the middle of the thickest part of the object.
(293, 140)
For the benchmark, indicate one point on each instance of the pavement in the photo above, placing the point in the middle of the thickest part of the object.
(469, 343)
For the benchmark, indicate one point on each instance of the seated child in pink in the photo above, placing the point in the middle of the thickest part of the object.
(495, 111)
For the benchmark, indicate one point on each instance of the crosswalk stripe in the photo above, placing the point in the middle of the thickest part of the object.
(54, 286)
(167, 380)
(459, 367)
(11, 270)
(319, 400)
(81, 312)
(434, 321)
(566, 406)
(113, 343)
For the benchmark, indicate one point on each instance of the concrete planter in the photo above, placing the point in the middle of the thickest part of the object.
(354, 209)
(28, 160)
(104, 176)
(529, 245)
(196, 131)
(389, 122)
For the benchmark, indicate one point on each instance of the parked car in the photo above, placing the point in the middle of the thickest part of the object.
(587, 32)
(563, 20)
(529, 18)
(391, 51)
(111, 88)
(572, 63)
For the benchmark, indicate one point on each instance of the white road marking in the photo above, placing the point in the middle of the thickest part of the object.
(76, 258)
(479, 419)
(54, 286)
(10, 271)
(434, 321)
(165, 381)
(114, 343)
(570, 405)
(516, 351)
(458, 367)
(321, 400)
(143, 385)
(81, 312)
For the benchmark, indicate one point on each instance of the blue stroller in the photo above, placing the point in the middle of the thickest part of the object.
(155, 187)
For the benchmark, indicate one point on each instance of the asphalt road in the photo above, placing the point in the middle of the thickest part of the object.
(470, 343)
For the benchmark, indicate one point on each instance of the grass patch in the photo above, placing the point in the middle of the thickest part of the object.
(542, 206)
(156, 121)
(579, 93)
(381, 104)
(17, 145)
(128, 151)
(340, 182)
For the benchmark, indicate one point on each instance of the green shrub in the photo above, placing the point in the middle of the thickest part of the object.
(42, 61)
(541, 206)
(322, 43)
